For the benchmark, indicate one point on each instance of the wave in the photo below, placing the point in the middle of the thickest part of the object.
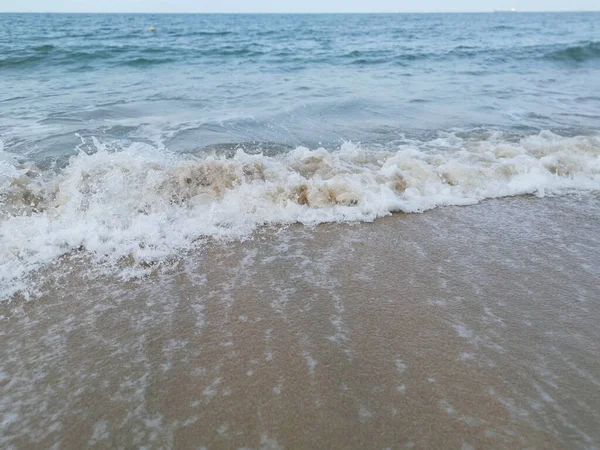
(44, 48)
(234, 51)
(208, 33)
(148, 61)
(142, 206)
(144, 54)
(199, 33)
(578, 53)
(10, 62)
(368, 62)
(378, 57)
(120, 55)
(117, 56)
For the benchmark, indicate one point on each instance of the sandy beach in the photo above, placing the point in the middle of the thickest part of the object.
(463, 327)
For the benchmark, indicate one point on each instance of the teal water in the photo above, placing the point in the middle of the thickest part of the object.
(201, 80)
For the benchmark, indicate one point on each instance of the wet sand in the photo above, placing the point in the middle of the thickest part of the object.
(472, 327)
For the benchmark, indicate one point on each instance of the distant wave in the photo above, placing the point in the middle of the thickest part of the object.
(231, 50)
(579, 53)
(144, 54)
(126, 55)
(148, 61)
(368, 62)
(44, 48)
(11, 62)
(369, 58)
(203, 33)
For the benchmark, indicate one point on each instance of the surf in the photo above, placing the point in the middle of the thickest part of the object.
(145, 205)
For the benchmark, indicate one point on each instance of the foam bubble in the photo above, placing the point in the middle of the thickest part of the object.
(138, 206)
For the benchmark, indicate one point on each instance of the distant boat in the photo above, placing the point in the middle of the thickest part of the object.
(505, 10)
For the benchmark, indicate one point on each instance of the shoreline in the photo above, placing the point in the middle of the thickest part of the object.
(462, 326)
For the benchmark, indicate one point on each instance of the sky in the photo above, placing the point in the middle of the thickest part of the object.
(239, 6)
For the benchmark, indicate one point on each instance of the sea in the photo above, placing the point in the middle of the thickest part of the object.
(300, 231)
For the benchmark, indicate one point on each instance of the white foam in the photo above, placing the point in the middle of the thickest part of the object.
(8, 170)
(141, 205)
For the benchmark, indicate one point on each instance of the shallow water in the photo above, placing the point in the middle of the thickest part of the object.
(470, 327)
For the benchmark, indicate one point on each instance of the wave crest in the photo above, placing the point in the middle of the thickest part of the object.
(145, 205)
(578, 53)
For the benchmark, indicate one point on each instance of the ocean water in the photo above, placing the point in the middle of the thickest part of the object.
(136, 146)
(300, 231)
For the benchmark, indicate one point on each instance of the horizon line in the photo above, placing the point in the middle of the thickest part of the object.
(508, 11)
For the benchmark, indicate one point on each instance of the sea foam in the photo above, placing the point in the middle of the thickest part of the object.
(143, 206)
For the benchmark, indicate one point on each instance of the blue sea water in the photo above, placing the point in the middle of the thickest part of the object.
(134, 144)
(201, 80)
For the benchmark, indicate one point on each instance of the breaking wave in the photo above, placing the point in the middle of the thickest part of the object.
(143, 206)
(578, 53)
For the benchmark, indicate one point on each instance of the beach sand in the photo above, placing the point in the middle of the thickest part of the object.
(463, 327)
